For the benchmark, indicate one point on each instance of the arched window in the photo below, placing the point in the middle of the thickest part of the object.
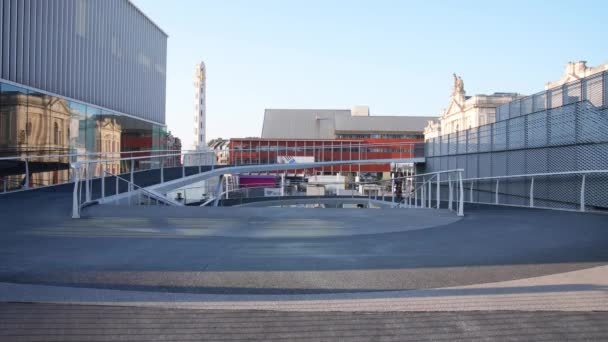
(56, 134)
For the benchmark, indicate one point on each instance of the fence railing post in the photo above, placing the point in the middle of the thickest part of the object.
(87, 192)
(450, 194)
(103, 183)
(471, 192)
(583, 194)
(496, 192)
(162, 170)
(75, 201)
(415, 198)
(438, 190)
(132, 169)
(430, 196)
(532, 193)
(461, 195)
(27, 175)
(423, 193)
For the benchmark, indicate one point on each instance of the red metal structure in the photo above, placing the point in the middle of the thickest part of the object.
(247, 151)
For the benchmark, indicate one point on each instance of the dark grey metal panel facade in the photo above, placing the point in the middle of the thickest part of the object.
(106, 53)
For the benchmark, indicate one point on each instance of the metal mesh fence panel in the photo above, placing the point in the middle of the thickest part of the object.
(593, 90)
(452, 144)
(514, 109)
(556, 97)
(499, 136)
(540, 102)
(572, 93)
(537, 130)
(516, 133)
(562, 125)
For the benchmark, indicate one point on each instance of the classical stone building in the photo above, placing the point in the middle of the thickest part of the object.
(464, 111)
(575, 71)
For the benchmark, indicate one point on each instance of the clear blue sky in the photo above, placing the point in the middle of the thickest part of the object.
(395, 56)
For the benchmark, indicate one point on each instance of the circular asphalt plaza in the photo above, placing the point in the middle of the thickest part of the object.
(233, 250)
(253, 273)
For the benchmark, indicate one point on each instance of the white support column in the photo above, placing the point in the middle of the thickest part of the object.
(415, 198)
(200, 161)
(583, 194)
(532, 193)
(132, 170)
(103, 183)
(162, 170)
(282, 184)
(27, 174)
(438, 190)
(422, 193)
(117, 181)
(450, 194)
(496, 193)
(461, 195)
(218, 191)
(87, 192)
(430, 196)
(393, 188)
(471, 192)
(75, 201)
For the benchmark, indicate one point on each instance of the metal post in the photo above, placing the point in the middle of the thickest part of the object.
(438, 190)
(282, 184)
(430, 196)
(393, 188)
(103, 183)
(200, 161)
(450, 194)
(27, 174)
(496, 194)
(117, 180)
(218, 190)
(184, 169)
(75, 202)
(532, 193)
(415, 198)
(132, 169)
(461, 196)
(87, 183)
(471, 192)
(423, 193)
(583, 194)
(162, 170)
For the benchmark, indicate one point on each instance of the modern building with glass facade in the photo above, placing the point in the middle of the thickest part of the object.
(78, 77)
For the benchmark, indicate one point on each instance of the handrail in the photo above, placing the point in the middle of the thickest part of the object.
(142, 189)
(581, 203)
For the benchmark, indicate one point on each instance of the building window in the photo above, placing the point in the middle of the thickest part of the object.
(56, 134)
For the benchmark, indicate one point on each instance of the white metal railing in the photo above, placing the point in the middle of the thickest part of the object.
(496, 180)
(134, 193)
(423, 184)
(157, 157)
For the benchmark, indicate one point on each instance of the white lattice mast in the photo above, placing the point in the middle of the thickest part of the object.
(200, 108)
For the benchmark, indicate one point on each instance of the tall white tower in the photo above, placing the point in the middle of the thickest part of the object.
(200, 110)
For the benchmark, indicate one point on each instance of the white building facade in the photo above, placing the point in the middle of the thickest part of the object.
(465, 112)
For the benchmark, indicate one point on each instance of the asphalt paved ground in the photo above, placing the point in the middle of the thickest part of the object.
(286, 251)
(57, 322)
